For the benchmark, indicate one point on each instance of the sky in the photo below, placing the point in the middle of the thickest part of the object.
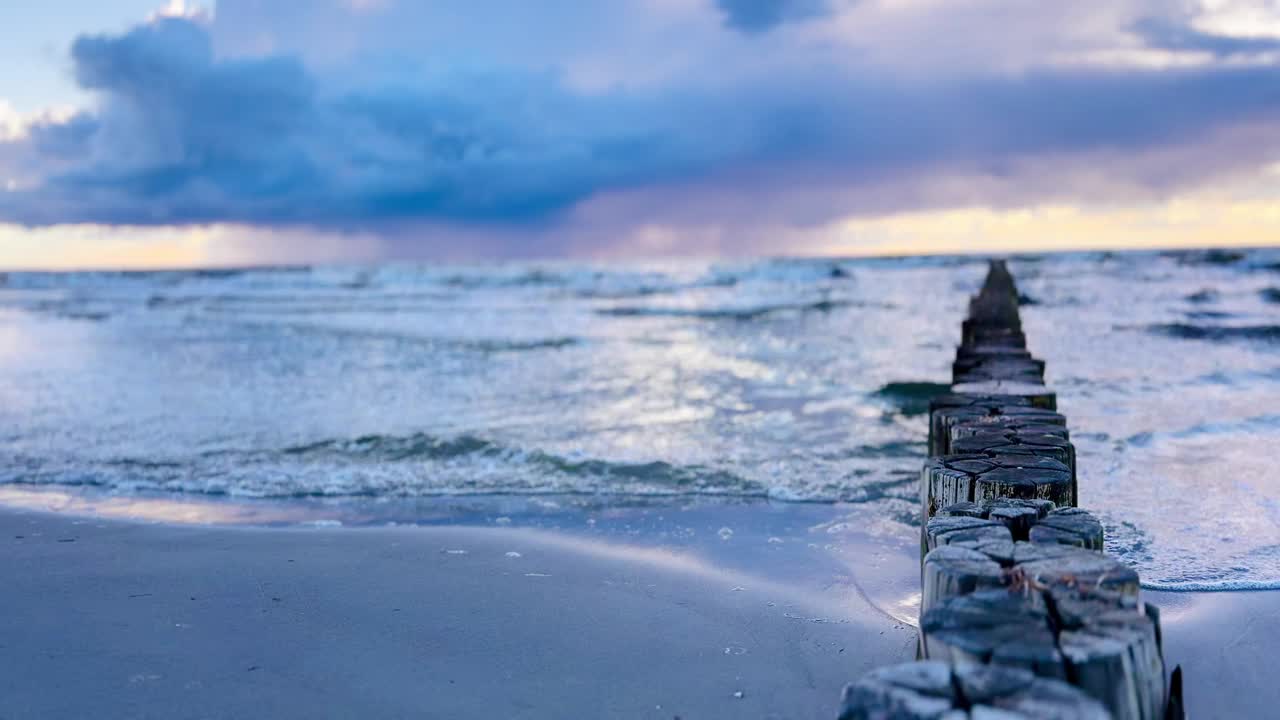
(136, 134)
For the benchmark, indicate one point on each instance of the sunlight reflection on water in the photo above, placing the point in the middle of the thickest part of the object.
(783, 379)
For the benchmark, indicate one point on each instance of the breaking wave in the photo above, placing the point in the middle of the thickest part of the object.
(736, 313)
(416, 465)
(748, 379)
(1188, 331)
(911, 398)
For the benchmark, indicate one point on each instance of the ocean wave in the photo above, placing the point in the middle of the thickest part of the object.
(65, 308)
(42, 280)
(1214, 256)
(503, 346)
(423, 446)
(423, 465)
(594, 282)
(1254, 424)
(488, 279)
(300, 303)
(575, 280)
(88, 315)
(781, 271)
(385, 466)
(214, 273)
(1208, 315)
(189, 361)
(1211, 585)
(1188, 331)
(1256, 569)
(461, 344)
(725, 313)
(1237, 378)
(657, 287)
(911, 397)
(1271, 294)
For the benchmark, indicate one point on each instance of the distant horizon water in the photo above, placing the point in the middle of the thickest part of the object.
(373, 390)
(873, 252)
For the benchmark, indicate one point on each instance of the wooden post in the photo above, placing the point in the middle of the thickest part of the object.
(991, 369)
(937, 691)
(975, 334)
(1069, 526)
(953, 570)
(963, 559)
(941, 405)
(981, 478)
(944, 421)
(1018, 515)
(949, 480)
(1030, 478)
(1056, 566)
(1015, 444)
(1036, 395)
(1014, 580)
(979, 350)
(970, 356)
(1021, 516)
(1112, 653)
(992, 627)
(959, 529)
(1103, 645)
(979, 425)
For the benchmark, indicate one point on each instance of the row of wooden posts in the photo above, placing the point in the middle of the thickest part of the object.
(1022, 612)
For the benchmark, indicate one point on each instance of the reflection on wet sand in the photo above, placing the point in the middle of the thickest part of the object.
(176, 510)
(811, 569)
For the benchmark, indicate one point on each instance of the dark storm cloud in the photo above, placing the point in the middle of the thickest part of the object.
(184, 137)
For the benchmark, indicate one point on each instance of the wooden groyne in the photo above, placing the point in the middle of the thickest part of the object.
(1022, 614)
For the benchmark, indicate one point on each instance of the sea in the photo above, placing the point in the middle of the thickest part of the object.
(392, 393)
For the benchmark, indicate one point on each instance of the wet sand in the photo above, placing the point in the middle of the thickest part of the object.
(626, 613)
(105, 618)
(1228, 644)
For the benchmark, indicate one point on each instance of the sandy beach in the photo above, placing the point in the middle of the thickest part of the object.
(1226, 643)
(103, 618)
(115, 618)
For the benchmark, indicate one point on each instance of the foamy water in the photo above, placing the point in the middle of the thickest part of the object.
(788, 380)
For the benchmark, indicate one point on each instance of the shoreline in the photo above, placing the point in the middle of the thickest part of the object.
(91, 596)
(112, 618)
(559, 511)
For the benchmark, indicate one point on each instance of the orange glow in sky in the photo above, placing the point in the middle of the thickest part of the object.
(1179, 223)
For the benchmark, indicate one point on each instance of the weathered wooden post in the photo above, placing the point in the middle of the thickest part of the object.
(961, 567)
(1012, 443)
(938, 691)
(1069, 526)
(961, 421)
(1018, 597)
(978, 478)
(1104, 645)
(946, 410)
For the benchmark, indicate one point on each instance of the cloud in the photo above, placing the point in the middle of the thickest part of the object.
(755, 130)
(762, 15)
(1170, 34)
